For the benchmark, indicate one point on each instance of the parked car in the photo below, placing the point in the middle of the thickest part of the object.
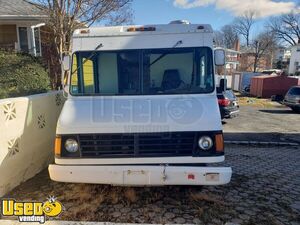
(292, 98)
(228, 103)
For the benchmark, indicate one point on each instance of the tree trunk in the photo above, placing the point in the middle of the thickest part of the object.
(255, 64)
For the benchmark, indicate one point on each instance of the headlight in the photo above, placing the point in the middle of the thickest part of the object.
(205, 143)
(71, 145)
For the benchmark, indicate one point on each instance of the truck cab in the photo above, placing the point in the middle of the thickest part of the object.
(141, 108)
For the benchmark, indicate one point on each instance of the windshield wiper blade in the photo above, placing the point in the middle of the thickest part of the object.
(88, 58)
(163, 55)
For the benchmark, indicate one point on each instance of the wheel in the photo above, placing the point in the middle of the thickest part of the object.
(296, 109)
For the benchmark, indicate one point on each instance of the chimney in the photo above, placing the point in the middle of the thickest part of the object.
(237, 44)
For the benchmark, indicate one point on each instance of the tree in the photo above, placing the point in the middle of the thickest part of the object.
(286, 28)
(263, 45)
(67, 15)
(226, 37)
(230, 36)
(243, 24)
(219, 39)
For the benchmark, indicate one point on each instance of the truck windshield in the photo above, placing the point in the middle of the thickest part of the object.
(143, 72)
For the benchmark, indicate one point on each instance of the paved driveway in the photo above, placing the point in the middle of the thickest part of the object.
(264, 190)
(275, 124)
(271, 119)
(264, 187)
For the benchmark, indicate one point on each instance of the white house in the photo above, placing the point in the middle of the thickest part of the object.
(294, 66)
(232, 60)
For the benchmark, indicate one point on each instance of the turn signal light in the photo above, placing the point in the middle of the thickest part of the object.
(57, 149)
(219, 143)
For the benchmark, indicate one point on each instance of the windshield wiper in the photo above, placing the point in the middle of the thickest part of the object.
(163, 55)
(88, 58)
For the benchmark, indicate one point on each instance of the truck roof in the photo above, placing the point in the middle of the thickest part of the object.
(142, 30)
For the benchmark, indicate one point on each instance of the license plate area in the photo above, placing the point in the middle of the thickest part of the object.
(136, 177)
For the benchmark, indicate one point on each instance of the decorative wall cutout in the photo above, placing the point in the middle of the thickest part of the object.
(58, 99)
(41, 121)
(13, 147)
(10, 111)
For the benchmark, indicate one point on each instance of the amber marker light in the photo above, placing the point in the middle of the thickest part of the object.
(219, 143)
(57, 149)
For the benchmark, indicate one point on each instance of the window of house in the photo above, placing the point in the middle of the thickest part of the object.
(23, 37)
(37, 41)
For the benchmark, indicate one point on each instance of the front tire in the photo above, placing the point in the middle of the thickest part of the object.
(296, 109)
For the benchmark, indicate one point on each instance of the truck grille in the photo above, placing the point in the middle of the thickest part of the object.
(138, 145)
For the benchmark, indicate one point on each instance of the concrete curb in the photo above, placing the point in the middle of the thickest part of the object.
(273, 143)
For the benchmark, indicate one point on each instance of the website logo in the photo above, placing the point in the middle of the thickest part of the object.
(31, 211)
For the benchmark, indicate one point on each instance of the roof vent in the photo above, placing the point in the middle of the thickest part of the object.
(180, 22)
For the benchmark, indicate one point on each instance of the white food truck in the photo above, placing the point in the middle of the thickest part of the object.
(141, 108)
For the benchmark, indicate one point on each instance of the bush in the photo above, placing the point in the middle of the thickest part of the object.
(21, 75)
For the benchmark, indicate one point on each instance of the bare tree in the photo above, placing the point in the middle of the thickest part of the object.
(286, 28)
(219, 39)
(243, 25)
(226, 37)
(263, 45)
(67, 15)
(230, 36)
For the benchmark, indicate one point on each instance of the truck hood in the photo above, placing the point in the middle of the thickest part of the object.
(139, 114)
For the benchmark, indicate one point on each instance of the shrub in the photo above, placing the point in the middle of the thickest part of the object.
(21, 75)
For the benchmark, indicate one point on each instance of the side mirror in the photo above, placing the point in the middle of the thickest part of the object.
(223, 84)
(219, 57)
(66, 66)
(66, 62)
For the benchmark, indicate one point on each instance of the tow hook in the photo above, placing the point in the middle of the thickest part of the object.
(164, 175)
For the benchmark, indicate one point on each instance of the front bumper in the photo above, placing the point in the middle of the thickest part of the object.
(291, 104)
(142, 175)
(234, 113)
(228, 113)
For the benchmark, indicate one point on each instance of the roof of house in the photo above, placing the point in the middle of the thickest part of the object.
(20, 9)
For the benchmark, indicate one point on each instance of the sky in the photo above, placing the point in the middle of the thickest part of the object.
(214, 12)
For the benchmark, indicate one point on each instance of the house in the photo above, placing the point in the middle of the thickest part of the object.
(247, 59)
(282, 54)
(20, 24)
(294, 67)
(281, 58)
(232, 61)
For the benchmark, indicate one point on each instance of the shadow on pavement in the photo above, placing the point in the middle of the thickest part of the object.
(278, 111)
(263, 137)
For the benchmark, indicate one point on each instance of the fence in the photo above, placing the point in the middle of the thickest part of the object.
(27, 133)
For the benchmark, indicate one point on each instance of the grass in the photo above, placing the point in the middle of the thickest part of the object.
(256, 102)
